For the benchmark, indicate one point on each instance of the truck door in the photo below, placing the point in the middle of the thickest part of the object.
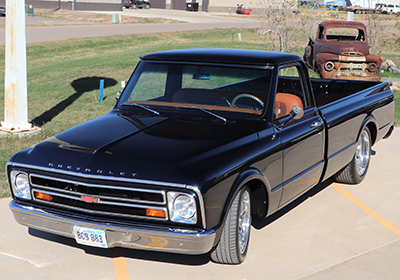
(317, 45)
(303, 139)
(318, 42)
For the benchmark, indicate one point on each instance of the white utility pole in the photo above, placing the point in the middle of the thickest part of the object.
(15, 85)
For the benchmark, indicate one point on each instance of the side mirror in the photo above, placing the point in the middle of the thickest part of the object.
(296, 112)
(118, 95)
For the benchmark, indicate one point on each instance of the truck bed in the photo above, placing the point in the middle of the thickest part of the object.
(330, 90)
(346, 106)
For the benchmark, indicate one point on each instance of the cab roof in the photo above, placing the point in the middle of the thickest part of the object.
(343, 24)
(224, 56)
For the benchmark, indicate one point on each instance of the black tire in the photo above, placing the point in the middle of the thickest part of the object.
(357, 169)
(233, 245)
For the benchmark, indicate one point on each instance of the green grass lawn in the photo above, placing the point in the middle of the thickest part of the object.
(64, 76)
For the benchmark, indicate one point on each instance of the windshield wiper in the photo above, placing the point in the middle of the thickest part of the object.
(143, 107)
(203, 110)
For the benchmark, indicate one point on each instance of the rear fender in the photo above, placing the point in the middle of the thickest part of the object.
(369, 122)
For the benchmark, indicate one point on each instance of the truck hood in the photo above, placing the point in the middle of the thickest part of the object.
(148, 148)
(360, 48)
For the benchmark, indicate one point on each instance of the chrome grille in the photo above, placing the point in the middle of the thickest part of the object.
(98, 199)
(352, 53)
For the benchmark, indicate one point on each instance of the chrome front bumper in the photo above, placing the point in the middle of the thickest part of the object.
(152, 238)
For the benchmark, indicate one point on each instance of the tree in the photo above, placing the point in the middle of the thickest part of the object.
(277, 27)
(376, 33)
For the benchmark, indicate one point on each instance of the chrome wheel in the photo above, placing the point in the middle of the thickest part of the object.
(363, 153)
(244, 222)
(234, 242)
(354, 172)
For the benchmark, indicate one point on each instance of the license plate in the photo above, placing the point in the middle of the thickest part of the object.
(91, 237)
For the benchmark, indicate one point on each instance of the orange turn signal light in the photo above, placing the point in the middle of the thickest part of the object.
(155, 213)
(43, 196)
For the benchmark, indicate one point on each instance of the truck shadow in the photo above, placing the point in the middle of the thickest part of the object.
(193, 260)
(81, 86)
(261, 223)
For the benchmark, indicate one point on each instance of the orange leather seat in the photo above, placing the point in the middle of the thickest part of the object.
(284, 102)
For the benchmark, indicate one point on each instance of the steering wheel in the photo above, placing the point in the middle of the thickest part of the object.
(249, 96)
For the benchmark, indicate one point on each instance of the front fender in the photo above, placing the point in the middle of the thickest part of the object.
(321, 59)
(260, 191)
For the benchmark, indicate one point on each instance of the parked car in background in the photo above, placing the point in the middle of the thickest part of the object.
(390, 9)
(3, 11)
(136, 4)
(341, 51)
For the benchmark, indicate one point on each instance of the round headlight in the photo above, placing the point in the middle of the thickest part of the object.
(372, 66)
(329, 66)
(185, 206)
(22, 183)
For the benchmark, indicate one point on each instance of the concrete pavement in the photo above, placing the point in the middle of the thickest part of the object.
(334, 232)
(191, 21)
(184, 16)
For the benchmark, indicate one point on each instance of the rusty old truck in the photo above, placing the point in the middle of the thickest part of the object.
(341, 51)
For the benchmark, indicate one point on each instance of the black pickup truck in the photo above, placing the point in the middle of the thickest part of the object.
(199, 143)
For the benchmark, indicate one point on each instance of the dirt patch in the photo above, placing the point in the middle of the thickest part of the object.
(100, 18)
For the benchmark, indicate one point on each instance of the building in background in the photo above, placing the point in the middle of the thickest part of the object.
(116, 5)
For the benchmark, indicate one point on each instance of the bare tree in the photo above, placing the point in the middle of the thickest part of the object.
(397, 38)
(308, 24)
(376, 33)
(277, 26)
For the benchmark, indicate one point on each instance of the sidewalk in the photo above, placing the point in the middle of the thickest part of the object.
(323, 235)
(192, 21)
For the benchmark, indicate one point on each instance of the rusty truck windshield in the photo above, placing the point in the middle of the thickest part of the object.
(345, 34)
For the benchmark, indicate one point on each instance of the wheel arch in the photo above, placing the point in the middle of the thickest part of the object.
(258, 186)
(370, 123)
(355, 171)
(259, 198)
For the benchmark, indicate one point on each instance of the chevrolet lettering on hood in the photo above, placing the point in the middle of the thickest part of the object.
(91, 171)
(199, 143)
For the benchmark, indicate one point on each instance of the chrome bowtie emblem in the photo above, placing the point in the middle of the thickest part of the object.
(89, 199)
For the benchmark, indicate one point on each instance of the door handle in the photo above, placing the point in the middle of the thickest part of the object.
(316, 124)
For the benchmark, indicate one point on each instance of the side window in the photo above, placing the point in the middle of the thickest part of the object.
(290, 91)
(360, 36)
(320, 32)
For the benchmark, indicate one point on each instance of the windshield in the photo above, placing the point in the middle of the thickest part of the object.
(227, 91)
(345, 34)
